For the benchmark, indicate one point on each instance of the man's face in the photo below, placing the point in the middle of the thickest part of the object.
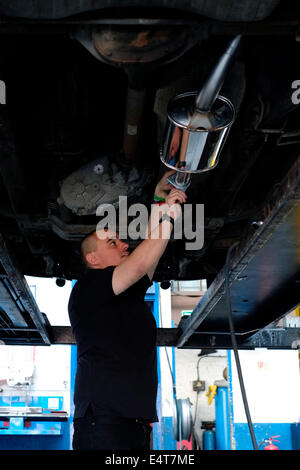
(111, 251)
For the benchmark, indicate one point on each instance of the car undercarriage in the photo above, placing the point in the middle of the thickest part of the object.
(83, 120)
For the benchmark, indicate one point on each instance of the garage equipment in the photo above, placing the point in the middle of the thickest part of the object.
(31, 413)
(270, 445)
(209, 435)
(182, 419)
(43, 415)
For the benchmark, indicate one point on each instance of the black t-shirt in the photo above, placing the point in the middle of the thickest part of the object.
(116, 347)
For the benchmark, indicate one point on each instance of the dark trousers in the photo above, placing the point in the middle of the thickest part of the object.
(111, 433)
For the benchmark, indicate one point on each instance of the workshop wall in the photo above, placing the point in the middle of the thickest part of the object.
(51, 299)
(35, 376)
(272, 384)
(210, 369)
(38, 376)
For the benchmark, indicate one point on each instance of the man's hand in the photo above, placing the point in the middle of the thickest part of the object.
(173, 200)
(163, 187)
(171, 207)
(176, 196)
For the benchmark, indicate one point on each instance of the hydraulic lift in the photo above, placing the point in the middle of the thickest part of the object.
(264, 278)
(265, 282)
(21, 321)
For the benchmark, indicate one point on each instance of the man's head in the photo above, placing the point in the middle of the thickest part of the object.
(103, 248)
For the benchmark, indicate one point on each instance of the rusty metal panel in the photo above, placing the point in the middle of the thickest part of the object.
(18, 302)
(64, 335)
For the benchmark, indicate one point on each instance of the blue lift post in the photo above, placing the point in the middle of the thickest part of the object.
(163, 430)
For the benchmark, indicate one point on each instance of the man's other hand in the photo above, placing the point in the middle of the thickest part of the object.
(163, 187)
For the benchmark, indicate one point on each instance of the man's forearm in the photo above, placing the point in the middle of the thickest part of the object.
(149, 251)
(143, 260)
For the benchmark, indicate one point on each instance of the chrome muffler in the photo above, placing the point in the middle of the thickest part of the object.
(198, 124)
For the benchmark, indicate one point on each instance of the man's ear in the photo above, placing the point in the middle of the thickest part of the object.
(91, 258)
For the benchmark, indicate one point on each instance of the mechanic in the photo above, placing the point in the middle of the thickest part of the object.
(115, 332)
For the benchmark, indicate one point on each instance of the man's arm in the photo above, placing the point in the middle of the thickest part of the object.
(162, 190)
(144, 259)
(174, 197)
